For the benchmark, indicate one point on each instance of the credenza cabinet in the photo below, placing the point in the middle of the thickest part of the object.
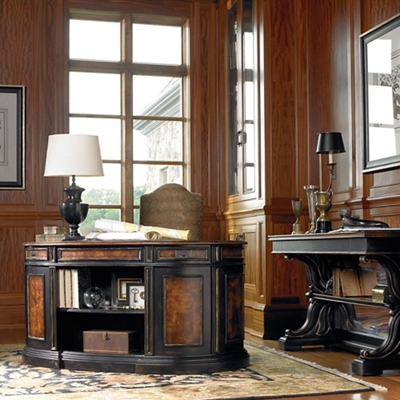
(192, 314)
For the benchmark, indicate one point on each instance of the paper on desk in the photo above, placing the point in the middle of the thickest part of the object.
(118, 226)
(124, 236)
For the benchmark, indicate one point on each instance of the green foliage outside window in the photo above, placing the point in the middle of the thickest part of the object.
(106, 197)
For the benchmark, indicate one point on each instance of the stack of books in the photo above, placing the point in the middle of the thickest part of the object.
(72, 284)
(354, 282)
(52, 234)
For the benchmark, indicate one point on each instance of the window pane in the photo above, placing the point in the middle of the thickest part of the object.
(97, 213)
(108, 131)
(248, 45)
(94, 93)
(157, 140)
(105, 189)
(94, 40)
(147, 178)
(249, 158)
(156, 44)
(248, 101)
(157, 96)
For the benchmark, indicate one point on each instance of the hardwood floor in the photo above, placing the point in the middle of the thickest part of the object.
(341, 361)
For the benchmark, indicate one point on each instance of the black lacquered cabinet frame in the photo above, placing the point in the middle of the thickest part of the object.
(192, 322)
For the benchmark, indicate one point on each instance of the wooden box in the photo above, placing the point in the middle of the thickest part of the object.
(101, 341)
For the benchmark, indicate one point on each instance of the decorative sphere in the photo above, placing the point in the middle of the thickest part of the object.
(94, 297)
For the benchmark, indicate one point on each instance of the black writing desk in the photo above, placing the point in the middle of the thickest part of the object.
(331, 319)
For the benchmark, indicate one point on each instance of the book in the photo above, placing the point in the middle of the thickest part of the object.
(68, 287)
(61, 288)
(356, 282)
(75, 288)
(55, 230)
(336, 286)
(81, 281)
(42, 237)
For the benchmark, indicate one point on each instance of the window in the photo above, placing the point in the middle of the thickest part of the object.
(128, 84)
(242, 101)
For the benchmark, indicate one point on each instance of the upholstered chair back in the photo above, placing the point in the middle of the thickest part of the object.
(173, 206)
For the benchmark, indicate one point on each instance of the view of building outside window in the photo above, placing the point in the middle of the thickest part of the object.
(134, 101)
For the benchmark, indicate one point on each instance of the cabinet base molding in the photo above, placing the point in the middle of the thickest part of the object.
(276, 321)
(271, 322)
(41, 357)
(136, 363)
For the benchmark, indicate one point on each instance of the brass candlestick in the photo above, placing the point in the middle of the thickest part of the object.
(297, 206)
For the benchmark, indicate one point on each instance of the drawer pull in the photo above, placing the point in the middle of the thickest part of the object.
(105, 336)
(183, 253)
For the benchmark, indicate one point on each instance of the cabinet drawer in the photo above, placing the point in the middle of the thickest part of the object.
(38, 254)
(202, 254)
(103, 254)
(231, 252)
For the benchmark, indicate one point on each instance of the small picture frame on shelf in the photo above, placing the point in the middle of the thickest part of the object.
(135, 296)
(120, 280)
(122, 285)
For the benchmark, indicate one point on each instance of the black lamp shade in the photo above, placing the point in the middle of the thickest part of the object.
(330, 142)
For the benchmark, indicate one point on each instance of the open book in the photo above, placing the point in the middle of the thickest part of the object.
(117, 230)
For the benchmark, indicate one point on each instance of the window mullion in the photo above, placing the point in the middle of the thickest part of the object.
(127, 124)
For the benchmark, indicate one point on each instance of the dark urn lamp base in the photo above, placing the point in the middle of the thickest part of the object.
(73, 210)
(74, 214)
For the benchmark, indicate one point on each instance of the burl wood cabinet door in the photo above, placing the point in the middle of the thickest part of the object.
(230, 308)
(39, 311)
(182, 310)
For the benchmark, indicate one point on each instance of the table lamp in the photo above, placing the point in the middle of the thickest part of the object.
(73, 155)
(327, 143)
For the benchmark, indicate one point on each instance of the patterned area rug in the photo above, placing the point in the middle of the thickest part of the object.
(271, 375)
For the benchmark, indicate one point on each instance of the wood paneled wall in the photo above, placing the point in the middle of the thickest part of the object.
(312, 79)
(30, 55)
(311, 82)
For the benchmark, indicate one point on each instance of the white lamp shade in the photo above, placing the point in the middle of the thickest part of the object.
(70, 154)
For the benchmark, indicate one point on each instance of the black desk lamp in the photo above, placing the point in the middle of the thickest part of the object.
(73, 155)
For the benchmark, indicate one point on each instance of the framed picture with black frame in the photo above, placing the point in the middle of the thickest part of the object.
(119, 286)
(380, 56)
(12, 137)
